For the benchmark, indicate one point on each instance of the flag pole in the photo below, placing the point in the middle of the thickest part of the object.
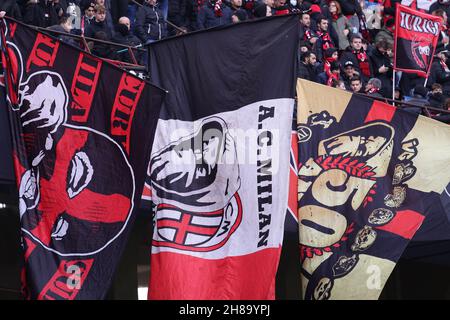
(393, 87)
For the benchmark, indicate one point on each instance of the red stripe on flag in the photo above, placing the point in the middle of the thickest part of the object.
(147, 191)
(404, 224)
(293, 177)
(183, 277)
(293, 193)
(380, 111)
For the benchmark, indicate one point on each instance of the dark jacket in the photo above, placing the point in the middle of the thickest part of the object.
(437, 100)
(409, 81)
(375, 95)
(207, 18)
(439, 75)
(66, 39)
(118, 9)
(377, 59)
(350, 7)
(306, 71)
(178, 12)
(437, 5)
(11, 8)
(123, 36)
(95, 27)
(150, 23)
(41, 14)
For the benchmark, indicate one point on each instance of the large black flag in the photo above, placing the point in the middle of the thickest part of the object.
(6, 167)
(219, 168)
(82, 131)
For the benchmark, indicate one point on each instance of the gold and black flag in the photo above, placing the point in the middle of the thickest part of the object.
(368, 176)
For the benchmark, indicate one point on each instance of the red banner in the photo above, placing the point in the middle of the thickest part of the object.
(416, 36)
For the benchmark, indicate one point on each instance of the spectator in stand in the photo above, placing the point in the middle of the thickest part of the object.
(440, 72)
(44, 13)
(99, 24)
(444, 116)
(249, 6)
(382, 66)
(65, 25)
(11, 9)
(387, 32)
(358, 56)
(334, 73)
(443, 35)
(441, 4)
(234, 5)
(339, 84)
(340, 24)
(281, 7)
(306, 68)
(213, 13)
(177, 14)
(349, 73)
(109, 20)
(103, 50)
(264, 9)
(330, 56)
(352, 10)
(125, 37)
(150, 25)
(88, 17)
(356, 85)
(306, 33)
(373, 87)
(324, 41)
(436, 98)
(389, 9)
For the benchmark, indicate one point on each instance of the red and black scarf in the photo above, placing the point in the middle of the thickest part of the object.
(326, 40)
(327, 65)
(218, 8)
(373, 90)
(308, 34)
(331, 77)
(363, 62)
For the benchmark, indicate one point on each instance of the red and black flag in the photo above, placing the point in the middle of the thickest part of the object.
(416, 37)
(369, 176)
(219, 169)
(82, 131)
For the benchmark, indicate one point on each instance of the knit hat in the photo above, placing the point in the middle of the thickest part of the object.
(315, 9)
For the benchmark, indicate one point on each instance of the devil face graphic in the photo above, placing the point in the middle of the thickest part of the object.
(70, 200)
(421, 51)
(195, 180)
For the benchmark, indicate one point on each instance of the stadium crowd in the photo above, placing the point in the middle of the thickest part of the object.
(343, 43)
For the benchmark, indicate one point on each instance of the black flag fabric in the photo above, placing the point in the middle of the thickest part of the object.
(6, 166)
(82, 131)
(219, 169)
